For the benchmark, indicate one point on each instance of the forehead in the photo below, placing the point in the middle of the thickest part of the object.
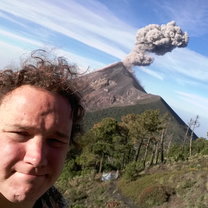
(28, 98)
(28, 92)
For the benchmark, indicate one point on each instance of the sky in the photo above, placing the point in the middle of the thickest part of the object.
(96, 33)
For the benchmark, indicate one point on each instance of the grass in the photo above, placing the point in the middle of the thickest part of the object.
(186, 180)
(179, 184)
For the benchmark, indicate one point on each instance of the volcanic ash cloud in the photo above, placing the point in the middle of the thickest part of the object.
(157, 39)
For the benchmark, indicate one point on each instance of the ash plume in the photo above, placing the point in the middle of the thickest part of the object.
(157, 39)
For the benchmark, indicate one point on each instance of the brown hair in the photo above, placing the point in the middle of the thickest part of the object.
(54, 75)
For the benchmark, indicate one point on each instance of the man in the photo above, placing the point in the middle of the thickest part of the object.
(39, 109)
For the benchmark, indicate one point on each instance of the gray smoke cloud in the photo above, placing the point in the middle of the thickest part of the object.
(157, 39)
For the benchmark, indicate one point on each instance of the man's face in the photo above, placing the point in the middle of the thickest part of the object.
(35, 126)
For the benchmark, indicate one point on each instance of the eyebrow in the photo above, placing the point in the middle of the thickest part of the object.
(20, 127)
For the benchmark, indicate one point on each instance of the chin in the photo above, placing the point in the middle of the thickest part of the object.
(26, 195)
(20, 200)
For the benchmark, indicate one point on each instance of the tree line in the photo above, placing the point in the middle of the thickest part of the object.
(130, 145)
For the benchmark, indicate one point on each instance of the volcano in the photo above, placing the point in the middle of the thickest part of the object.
(113, 91)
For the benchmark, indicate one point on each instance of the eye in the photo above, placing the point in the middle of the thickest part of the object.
(54, 142)
(21, 133)
(20, 136)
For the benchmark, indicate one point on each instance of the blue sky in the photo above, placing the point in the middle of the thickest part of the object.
(96, 33)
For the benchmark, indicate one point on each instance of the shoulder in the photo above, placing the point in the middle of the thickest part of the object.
(51, 199)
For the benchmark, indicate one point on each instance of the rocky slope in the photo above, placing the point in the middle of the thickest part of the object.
(111, 86)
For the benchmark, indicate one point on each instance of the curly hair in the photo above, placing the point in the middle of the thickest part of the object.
(55, 76)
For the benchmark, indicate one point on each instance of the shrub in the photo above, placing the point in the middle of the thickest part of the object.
(155, 195)
(67, 173)
(200, 146)
(132, 170)
(77, 206)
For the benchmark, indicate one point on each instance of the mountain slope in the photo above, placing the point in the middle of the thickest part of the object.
(114, 91)
(111, 86)
(181, 184)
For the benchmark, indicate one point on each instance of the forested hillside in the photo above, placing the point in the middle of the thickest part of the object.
(176, 127)
(139, 148)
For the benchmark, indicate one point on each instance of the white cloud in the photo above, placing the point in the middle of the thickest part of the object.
(202, 130)
(190, 15)
(189, 105)
(184, 61)
(20, 38)
(152, 73)
(188, 83)
(107, 34)
(184, 82)
(10, 55)
(11, 19)
(195, 103)
(83, 63)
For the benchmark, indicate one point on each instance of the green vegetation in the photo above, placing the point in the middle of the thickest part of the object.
(177, 126)
(154, 170)
(181, 184)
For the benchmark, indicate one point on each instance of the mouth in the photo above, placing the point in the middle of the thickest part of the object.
(35, 175)
(31, 175)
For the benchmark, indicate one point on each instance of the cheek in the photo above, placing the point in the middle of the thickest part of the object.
(9, 155)
(10, 150)
(56, 160)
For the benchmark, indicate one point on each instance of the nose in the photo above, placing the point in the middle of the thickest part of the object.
(35, 152)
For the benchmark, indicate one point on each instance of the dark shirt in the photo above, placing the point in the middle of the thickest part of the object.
(51, 199)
